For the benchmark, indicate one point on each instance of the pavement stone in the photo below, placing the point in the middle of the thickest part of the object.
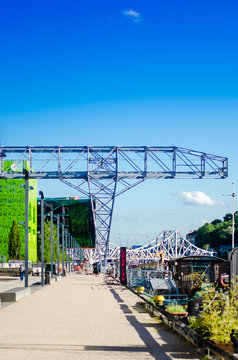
(86, 317)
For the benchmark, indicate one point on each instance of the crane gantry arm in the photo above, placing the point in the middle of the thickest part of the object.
(104, 172)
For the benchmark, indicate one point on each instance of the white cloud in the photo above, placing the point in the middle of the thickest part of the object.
(198, 198)
(133, 15)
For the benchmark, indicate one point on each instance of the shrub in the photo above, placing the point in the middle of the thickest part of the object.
(175, 308)
(219, 317)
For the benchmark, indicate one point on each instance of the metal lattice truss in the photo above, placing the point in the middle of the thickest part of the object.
(104, 172)
(171, 244)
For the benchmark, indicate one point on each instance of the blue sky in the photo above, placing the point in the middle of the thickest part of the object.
(126, 73)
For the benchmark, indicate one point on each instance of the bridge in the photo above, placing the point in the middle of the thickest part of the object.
(104, 172)
(171, 244)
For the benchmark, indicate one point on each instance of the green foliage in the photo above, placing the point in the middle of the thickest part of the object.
(217, 232)
(204, 234)
(227, 217)
(196, 279)
(12, 206)
(175, 308)
(14, 241)
(219, 317)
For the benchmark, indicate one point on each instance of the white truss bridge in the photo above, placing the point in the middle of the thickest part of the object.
(170, 243)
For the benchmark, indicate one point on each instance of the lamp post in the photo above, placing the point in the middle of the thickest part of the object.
(81, 256)
(233, 195)
(70, 253)
(26, 224)
(58, 221)
(233, 217)
(66, 242)
(42, 237)
(63, 240)
(51, 241)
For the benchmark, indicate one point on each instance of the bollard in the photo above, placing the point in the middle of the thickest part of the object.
(47, 277)
(158, 299)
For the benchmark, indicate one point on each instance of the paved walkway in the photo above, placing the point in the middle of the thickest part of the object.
(82, 317)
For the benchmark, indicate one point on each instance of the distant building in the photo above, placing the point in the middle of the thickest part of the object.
(191, 236)
(12, 207)
(78, 217)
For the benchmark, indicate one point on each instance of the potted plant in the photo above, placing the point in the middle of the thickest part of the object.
(176, 309)
(219, 318)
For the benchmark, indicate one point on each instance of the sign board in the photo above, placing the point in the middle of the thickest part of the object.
(123, 265)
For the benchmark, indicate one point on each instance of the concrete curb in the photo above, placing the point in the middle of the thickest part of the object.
(14, 294)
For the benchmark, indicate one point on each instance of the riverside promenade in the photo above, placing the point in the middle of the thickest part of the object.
(86, 317)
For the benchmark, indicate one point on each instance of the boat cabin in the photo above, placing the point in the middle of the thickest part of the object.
(191, 271)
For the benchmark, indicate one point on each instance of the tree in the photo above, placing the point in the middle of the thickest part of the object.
(218, 234)
(14, 241)
(216, 221)
(227, 217)
(204, 235)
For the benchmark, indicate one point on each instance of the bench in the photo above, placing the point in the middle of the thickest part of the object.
(15, 294)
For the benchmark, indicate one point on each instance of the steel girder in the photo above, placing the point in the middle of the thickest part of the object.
(104, 172)
(171, 243)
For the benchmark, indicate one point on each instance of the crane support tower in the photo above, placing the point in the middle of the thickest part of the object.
(104, 172)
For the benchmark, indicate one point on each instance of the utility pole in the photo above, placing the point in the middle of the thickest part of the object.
(66, 243)
(63, 274)
(42, 237)
(69, 254)
(51, 241)
(58, 221)
(233, 195)
(26, 224)
(233, 217)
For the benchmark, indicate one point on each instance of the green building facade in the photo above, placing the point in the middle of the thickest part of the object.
(12, 207)
(78, 218)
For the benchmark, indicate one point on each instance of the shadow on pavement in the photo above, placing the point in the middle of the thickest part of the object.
(152, 346)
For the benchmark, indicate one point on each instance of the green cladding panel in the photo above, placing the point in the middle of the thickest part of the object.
(78, 218)
(12, 206)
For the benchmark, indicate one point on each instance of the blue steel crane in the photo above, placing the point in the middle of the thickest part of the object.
(104, 172)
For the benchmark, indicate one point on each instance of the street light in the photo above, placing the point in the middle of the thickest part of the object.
(70, 253)
(26, 173)
(66, 243)
(63, 212)
(58, 223)
(51, 241)
(233, 195)
(42, 237)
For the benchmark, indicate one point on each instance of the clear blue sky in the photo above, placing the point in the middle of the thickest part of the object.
(126, 73)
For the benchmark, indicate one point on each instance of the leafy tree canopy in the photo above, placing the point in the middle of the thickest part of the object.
(217, 233)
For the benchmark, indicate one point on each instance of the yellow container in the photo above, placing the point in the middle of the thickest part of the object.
(158, 299)
(140, 289)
